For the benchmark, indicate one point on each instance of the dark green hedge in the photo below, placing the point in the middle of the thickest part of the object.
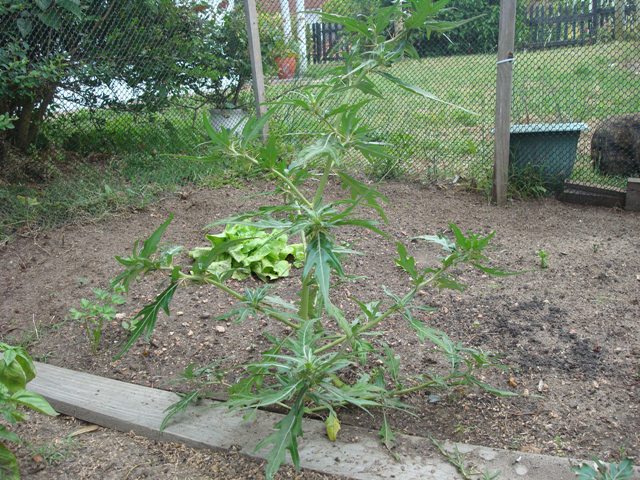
(477, 36)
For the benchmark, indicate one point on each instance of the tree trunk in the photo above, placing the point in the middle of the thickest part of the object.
(20, 134)
(30, 117)
(38, 117)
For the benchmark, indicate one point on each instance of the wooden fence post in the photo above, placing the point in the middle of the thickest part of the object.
(506, 43)
(618, 20)
(255, 55)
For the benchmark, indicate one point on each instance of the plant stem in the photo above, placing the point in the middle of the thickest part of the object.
(238, 296)
(323, 183)
(303, 312)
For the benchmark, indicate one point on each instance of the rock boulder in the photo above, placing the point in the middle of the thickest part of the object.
(615, 146)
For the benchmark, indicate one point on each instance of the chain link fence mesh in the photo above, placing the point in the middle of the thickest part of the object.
(119, 75)
(139, 74)
(576, 95)
(430, 140)
(576, 71)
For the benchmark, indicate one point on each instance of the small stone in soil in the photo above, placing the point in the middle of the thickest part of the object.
(220, 329)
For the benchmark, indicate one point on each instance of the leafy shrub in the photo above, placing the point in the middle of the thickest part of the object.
(52, 52)
(16, 371)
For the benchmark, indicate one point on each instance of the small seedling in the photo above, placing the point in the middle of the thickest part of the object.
(544, 258)
(94, 315)
(458, 459)
(52, 452)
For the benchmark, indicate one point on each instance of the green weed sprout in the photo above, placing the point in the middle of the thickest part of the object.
(95, 314)
(544, 258)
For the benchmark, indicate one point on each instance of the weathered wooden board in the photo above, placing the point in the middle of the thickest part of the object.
(356, 454)
(586, 194)
(633, 195)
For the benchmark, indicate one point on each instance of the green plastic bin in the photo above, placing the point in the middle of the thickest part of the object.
(548, 148)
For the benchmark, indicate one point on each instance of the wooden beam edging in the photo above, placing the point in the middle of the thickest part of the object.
(357, 453)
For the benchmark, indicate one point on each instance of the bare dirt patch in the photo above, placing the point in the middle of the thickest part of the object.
(570, 333)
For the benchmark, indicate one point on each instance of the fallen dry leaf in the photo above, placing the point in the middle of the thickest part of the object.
(83, 430)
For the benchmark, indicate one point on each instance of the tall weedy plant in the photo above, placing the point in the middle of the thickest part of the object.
(328, 361)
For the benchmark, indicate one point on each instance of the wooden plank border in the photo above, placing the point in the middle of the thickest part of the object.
(357, 453)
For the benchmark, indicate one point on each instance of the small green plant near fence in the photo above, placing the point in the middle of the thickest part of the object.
(326, 361)
(16, 371)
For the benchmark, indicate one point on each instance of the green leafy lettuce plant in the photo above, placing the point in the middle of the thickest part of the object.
(16, 370)
(264, 254)
(327, 360)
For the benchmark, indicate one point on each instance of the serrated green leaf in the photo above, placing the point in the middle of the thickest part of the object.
(387, 436)
(439, 239)
(321, 259)
(405, 261)
(323, 147)
(254, 126)
(150, 245)
(284, 438)
(349, 23)
(181, 405)
(145, 320)
(420, 91)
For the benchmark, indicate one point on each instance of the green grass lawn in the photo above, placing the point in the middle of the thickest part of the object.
(577, 84)
(431, 140)
(82, 190)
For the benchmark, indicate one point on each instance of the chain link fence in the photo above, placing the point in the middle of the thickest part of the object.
(576, 82)
(128, 75)
(576, 96)
(118, 75)
(431, 140)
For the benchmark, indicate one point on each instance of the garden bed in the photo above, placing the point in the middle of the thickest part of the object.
(570, 332)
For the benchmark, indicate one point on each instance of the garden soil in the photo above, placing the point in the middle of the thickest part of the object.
(569, 333)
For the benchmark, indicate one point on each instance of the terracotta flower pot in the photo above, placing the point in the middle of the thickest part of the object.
(286, 67)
